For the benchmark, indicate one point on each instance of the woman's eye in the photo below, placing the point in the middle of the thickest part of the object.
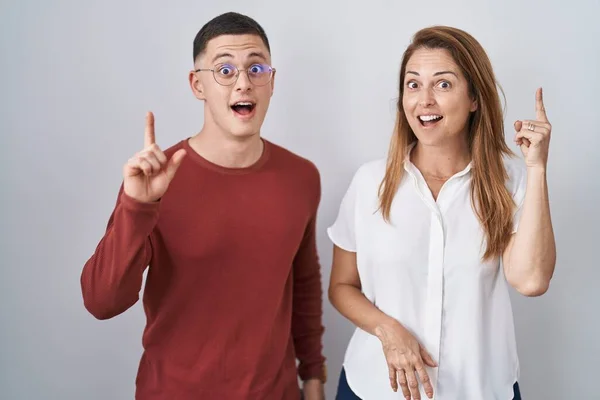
(412, 85)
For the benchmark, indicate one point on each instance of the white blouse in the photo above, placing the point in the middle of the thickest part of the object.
(425, 270)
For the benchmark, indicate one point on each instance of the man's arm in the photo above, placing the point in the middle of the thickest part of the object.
(112, 278)
(307, 314)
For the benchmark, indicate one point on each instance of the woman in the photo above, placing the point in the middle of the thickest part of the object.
(419, 237)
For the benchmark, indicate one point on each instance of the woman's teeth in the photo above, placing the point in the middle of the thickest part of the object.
(428, 118)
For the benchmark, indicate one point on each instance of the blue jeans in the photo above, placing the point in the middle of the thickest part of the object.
(345, 393)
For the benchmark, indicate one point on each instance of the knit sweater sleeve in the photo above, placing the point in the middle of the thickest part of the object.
(307, 327)
(112, 277)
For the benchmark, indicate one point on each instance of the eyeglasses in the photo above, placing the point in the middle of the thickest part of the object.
(227, 74)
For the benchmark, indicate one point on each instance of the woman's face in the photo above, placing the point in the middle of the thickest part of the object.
(436, 97)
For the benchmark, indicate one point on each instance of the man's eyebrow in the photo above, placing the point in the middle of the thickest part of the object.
(257, 54)
(221, 55)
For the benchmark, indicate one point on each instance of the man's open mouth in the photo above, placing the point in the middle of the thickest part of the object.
(243, 107)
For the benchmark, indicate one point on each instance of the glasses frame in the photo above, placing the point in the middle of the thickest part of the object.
(237, 73)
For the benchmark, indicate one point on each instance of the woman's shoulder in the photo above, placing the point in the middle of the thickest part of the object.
(371, 171)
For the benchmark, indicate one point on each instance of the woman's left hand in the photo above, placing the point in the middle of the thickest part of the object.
(534, 136)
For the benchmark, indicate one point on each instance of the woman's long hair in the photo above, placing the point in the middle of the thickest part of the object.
(489, 195)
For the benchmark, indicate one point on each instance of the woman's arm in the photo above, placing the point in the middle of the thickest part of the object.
(404, 355)
(346, 296)
(530, 256)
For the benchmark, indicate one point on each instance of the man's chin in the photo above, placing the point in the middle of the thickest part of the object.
(244, 133)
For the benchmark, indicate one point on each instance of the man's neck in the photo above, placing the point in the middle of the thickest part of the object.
(441, 162)
(228, 152)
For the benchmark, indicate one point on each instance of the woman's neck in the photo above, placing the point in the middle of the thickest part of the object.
(441, 162)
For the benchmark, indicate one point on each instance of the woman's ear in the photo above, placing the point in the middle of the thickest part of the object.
(474, 105)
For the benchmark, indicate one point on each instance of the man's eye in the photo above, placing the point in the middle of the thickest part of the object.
(225, 70)
(257, 69)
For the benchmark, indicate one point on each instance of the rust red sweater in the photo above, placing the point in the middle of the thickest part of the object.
(233, 292)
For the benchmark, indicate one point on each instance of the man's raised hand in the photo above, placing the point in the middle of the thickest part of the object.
(146, 175)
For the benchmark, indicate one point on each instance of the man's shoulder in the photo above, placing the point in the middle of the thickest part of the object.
(296, 162)
(170, 150)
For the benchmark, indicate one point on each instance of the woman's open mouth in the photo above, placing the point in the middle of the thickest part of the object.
(430, 120)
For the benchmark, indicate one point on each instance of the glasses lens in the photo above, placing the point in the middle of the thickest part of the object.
(260, 74)
(225, 74)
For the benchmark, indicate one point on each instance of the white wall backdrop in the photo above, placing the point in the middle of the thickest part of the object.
(77, 78)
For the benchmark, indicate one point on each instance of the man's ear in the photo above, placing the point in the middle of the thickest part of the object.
(196, 86)
(273, 82)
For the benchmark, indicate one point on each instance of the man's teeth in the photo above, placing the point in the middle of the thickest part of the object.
(243, 103)
(426, 118)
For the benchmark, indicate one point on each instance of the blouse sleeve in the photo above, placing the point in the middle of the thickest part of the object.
(342, 232)
(519, 196)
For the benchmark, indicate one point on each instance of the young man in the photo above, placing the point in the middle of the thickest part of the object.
(225, 220)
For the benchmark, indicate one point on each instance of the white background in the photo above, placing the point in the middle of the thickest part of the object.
(77, 78)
